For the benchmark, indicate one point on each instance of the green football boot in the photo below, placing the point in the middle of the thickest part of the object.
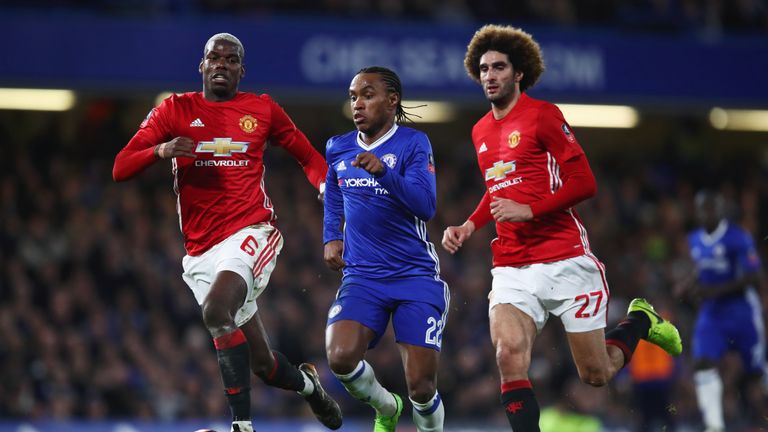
(388, 424)
(662, 332)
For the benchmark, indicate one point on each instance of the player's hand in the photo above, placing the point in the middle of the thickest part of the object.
(687, 293)
(454, 236)
(507, 210)
(369, 162)
(684, 288)
(681, 290)
(179, 146)
(332, 254)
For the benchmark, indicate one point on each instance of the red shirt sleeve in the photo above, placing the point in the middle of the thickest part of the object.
(578, 181)
(139, 153)
(285, 134)
(482, 214)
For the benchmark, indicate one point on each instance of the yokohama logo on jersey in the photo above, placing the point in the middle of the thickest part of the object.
(360, 182)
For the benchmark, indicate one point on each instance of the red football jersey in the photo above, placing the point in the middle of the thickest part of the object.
(532, 157)
(221, 190)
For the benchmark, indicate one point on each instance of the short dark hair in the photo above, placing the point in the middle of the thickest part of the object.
(225, 37)
(392, 81)
(709, 195)
(524, 53)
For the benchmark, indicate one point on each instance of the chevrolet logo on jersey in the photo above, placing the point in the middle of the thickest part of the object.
(222, 146)
(499, 170)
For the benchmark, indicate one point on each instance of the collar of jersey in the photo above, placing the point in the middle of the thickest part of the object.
(235, 99)
(378, 142)
(716, 235)
(521, 102)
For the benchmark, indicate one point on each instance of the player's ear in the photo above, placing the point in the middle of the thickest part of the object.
(200, 66)
(394, 99)
(242, 71)
(518, 76)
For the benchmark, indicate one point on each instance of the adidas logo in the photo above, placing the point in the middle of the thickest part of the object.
(341, 166)
(196, 123)
(482, 148)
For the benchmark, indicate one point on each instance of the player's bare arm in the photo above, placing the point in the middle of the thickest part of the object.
(454, 236)
(685, 285)
(707, 291)
(762, 289)
(369, 162)
(332, 253)
(179, 146)
(507, 210)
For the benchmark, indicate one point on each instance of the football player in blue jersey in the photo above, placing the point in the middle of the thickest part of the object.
(726, 276)
(380, 192)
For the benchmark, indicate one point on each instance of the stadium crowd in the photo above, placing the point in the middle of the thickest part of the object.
(97, 322)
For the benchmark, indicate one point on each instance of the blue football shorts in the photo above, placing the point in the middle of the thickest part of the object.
(734, 324)
(418, 308)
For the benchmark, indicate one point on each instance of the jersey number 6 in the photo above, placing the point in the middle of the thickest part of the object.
(249, 245)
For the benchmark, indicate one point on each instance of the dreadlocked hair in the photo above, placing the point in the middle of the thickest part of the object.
(392, 81)
(524, 53)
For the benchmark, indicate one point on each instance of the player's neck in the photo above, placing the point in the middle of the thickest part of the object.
(503, 107)
(712, 228)
(371, 138)
(210, 96)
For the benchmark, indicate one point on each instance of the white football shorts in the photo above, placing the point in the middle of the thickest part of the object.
(575, 289)
(251, 252)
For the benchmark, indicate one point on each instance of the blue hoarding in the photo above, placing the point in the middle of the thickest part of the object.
(317, 57)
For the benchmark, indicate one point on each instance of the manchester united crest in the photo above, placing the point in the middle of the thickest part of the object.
(514, 139)
(248, 124)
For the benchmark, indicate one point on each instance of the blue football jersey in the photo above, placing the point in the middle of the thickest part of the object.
(734, 321)
(723, 255)
(384, 217)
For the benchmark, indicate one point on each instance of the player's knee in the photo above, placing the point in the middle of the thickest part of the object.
(217, 319)
(704, 364)
(512, 357)
(342, 360)
(594, 376)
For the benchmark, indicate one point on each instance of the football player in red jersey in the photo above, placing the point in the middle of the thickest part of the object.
(535, 172)
(215, 140)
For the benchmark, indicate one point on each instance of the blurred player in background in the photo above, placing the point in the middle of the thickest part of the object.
(726, 275)
(381, 189)
(535, 172)
(216, 140)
